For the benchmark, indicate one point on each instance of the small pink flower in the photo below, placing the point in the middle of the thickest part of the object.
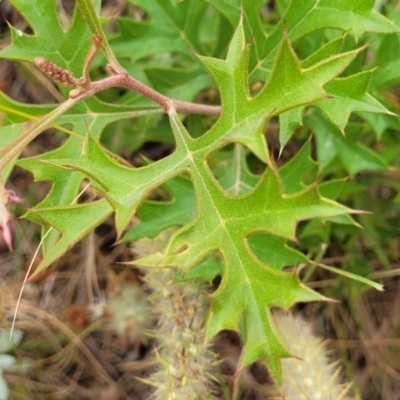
(7, 197)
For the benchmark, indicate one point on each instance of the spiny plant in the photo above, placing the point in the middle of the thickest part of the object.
(312, 375)
(186, 364)
(297, 63)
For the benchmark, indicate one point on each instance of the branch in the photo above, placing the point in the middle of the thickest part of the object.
(84, 88)
(114, 67)
(122, 79)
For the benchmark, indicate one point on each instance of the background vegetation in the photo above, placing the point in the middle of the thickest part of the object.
(292, 186)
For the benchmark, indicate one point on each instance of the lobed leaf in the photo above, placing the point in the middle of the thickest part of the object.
(67, 184)
(225, 212)
(224, 222)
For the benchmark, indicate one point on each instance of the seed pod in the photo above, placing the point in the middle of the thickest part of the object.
(56, 73)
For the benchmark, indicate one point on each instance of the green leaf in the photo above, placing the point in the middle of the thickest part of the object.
(155, 216)
(355, 17)
(333, 190)
(73, 222)
(387, 74)
(300, 171)
(302, 17)
(227, 215)
(179, 22)
(289, 121)
(273, 251)
(224, 222)
(207, 269)
(125, 188)
(14, 112)
(350, 275)
(380, 123)
(176, 83)
(348, 95)
(93, 115)
(332, 144)
(230, 9)
(250, 285)
(233, 173)
(67, 184)
(329, 49)
(285, 88)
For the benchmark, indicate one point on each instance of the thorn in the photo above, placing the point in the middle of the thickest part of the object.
(330, 300)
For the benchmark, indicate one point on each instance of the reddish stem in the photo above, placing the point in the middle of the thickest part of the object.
(126, 81)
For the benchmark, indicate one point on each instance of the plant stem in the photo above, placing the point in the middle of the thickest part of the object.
(122, 79)
(10, 150)
(89, 15)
